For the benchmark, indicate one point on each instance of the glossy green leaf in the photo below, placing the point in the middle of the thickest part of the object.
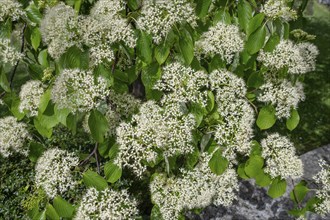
(277, 188)
(43, 58)
(255, 23)
(202, 7)
(218, 164)
(240, 171)
(293, 121)
(35, 151)
(299, 192)
(92, 179)
(35, 38)
(98, 125)
(244, 11)
(51, 213)
(263, 179)
(253, 167)
(33, 13)
(133, 4)
(113, 151)
(255, 80)
(4, 81)
(272, 42)
(155, 213)
(161, 53)
(187, 48)
(44, 100)
(266, 117)
(46, 132)
(144, 47)
(71, 122)
(63, 208)
(256, 40)
(112, 172)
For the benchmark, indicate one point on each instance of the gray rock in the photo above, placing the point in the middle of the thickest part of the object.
(253, 203)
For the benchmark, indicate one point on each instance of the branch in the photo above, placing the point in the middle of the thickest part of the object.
(95, 154)
(16, 65)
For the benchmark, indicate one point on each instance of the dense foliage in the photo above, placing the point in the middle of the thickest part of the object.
(136, 109)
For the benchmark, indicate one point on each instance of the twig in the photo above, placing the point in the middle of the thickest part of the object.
(95, 154)
(16, 65)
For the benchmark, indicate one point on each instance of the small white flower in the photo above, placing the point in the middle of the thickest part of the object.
(107, 205)
(322, 178)
(222, 39)
(9, 54)
(77, 90)
(279, 9)
(53, 171)
(30, 95)
(59, 29)
(158, 17)
(13, 135)
(283, 95)
(298, 58)
(10, 8)
(280, 156)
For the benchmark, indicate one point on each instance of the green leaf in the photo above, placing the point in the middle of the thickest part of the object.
(63, 208)
(253, 167)
(161, 53)
(192, 159)
(44, 100)
(92, 179)
(222, 16)
(216, 63)
(240, 171)
(61, 115)
(74, 58)
(35, 151)
(15, 108)
(255, 80)
(277, 188)
(299, 192)
(218, 164)
(133, 4)
(256, 40)
(256, 148)
(144, 47)
(33, 13)
(244, 11)
(51, 213)
(202, 7)
(266, 117)
(77, 5)
(210, 101)
(98, 125)
(155, 213)
(293, 121)
(35, 38)
(71, 122)
(4, 81)
(41, 129)
(205, 141)
(113, 151)
(186, 45)
(112, 172)
(263, 179)
(40, 216)
(272, 42)
(42, 58)
(150, 75)
(255, 23)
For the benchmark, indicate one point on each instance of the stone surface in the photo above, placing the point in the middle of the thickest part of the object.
(253, 202)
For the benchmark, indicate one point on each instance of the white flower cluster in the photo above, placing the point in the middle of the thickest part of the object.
(53, 171)
(223, 39)
(182, 84)
(280, 156)
(235, 131)
(107, 205)
(154, 128)
(10, 8)
(298, 58)
(59, 29)
(13, 135)
(195, 189)
(322, 178)
(283, 95)
(279, 9)
(77, 90)
(9, 54)
(121, 108)
(104, 27)
(159, 16)
(30, 95)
